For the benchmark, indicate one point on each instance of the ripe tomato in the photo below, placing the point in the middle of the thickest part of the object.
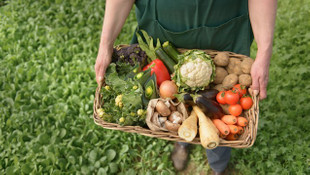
(240, 89)
(246, 102)
(231, 97)
(235, 109)
(220, 97)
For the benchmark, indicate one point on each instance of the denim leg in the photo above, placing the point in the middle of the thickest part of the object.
(183, 144)
(218, 158)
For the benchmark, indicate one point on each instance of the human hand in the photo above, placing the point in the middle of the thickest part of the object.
(102, 62)
(260, 76)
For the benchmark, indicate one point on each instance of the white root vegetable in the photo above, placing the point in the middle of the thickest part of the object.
(208, 132)
(188, 130)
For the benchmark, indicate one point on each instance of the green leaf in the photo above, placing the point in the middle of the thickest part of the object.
(26, 168)
(10, 170)
(44, 138)
(92, 156)
(130, 172)
(111, 154)
(124, 149)
(113, 167)
(103, 171)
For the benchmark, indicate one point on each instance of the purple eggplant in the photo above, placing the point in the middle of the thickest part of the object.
(209, 106)
(209, 93)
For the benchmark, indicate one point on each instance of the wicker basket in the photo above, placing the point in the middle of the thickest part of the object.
(246, 139)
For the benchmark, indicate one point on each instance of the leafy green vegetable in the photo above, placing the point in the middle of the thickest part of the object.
(122, 98)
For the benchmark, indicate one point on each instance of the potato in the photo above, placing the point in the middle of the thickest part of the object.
(230, 80)
(246, 65)
(245, 79)
(234, 66)
(219, 87)
(221, 59)
(220, 74)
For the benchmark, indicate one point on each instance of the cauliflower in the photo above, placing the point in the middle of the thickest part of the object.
(194, 71)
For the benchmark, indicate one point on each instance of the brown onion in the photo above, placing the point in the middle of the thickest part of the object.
(167, 89)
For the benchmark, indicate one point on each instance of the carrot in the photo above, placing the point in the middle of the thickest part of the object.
(241, 130)
(229, 119)
(233, 129)
(222, 136)
(221, 126)
(232, 137)
(241, 121)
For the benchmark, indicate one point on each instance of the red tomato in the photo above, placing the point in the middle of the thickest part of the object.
(246, 102)
(240, 89)
(235, 109)
(220, 97)
(231, 97)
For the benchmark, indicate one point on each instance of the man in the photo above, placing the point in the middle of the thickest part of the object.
(203, 24)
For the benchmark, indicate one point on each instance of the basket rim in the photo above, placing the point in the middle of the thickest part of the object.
(245, 141)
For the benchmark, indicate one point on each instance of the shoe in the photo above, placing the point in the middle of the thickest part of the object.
(179, 157)
(219, 173)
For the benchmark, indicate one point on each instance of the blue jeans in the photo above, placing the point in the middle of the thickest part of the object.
(218, 158)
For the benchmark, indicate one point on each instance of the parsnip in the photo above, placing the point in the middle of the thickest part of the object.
(188, 130)
(209, 137)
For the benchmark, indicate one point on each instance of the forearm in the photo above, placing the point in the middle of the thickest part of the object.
(262, 16)
(116, 12)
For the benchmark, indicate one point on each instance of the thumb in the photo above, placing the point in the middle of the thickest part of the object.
(255, 86)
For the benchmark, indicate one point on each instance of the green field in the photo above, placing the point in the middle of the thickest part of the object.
(47, 83)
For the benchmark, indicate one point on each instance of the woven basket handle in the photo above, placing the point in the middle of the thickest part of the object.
(97, 95)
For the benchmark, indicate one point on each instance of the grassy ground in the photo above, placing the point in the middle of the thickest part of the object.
(47, 83)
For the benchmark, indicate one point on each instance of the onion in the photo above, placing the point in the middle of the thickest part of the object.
(167, 89)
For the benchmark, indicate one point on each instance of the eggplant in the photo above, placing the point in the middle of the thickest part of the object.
(209, 93)
(209, 106)
(185, 98)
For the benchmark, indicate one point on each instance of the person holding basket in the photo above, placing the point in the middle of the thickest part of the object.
(203, 24)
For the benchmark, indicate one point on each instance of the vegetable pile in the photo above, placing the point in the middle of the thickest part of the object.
(231, 71)
(146, 83)
(234, 102)
(122, 98)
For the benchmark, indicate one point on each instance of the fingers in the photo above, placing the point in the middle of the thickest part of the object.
(259, 85)
(263, 88)
(99, 76)
(255, 83)
(99, 69)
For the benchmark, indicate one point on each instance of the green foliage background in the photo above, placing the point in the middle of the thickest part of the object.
(47, 84)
